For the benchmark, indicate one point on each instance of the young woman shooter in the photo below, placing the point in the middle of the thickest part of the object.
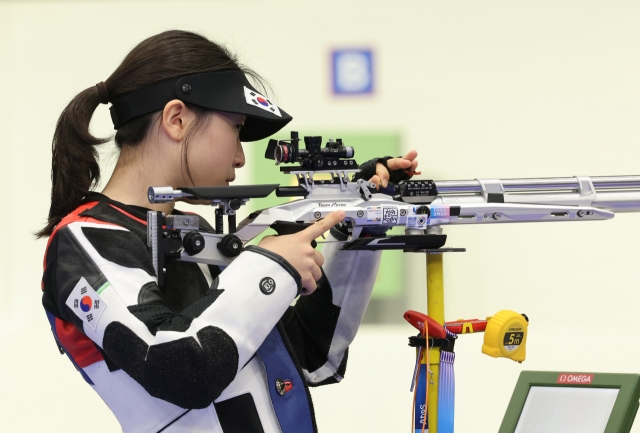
(211, 350)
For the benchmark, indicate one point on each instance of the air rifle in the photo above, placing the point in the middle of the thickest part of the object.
(420, 206)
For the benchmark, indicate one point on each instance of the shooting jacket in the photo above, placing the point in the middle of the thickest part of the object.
(212, 350)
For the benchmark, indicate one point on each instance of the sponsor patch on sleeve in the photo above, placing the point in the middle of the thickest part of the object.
(86, 303)
(257, 100)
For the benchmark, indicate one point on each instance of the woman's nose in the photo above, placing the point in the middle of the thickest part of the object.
(239, 159)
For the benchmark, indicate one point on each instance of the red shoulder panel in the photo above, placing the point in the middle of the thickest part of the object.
(76, 344)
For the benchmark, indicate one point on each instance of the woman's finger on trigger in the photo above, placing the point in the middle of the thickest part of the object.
(383, 174)
(318, 229)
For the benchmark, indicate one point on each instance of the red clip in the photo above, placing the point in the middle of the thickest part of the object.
(417, 319)
(466, 326)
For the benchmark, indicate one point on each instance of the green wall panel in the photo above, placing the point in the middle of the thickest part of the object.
(390, 280)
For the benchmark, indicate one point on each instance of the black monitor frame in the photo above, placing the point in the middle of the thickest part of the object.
(624, 409)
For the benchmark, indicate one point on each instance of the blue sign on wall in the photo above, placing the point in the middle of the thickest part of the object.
(352, 71)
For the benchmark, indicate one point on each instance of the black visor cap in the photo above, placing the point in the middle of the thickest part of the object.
(219, 90)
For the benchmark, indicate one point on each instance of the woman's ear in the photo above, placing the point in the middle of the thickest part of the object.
(175, 119)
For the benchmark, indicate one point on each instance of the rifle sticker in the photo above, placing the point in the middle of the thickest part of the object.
(415, 221)
(439, 214)
(374, 214)
(389, 215)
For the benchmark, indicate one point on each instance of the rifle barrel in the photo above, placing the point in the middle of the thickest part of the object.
(618, 201)
(542, 184)
(615, 193)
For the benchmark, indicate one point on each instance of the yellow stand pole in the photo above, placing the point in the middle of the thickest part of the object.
(435, 310)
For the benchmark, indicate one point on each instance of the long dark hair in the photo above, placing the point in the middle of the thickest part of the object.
(171, 54)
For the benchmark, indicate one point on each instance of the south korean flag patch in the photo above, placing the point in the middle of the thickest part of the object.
(257, 100)
(87, 303)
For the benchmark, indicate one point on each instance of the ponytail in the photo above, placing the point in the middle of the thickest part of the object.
(165, 56)
(74, 167)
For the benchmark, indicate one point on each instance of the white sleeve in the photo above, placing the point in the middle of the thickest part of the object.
(186, 358)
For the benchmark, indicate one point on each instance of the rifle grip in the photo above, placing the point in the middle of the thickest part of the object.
(289, 228)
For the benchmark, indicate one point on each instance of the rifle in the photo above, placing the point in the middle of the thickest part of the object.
(422, 207)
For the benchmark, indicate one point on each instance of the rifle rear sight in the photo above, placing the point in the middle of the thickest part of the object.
(334, 156)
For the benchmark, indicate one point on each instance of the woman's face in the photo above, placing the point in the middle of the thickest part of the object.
(215, 151)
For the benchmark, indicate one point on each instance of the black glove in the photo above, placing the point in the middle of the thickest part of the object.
(368, 170)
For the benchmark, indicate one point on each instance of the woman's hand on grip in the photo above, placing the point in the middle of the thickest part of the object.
(297, 250)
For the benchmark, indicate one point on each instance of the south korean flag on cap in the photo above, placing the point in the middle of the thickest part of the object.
(86, 303)
(256, 99)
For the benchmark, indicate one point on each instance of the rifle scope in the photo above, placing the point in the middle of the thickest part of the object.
(288, 151)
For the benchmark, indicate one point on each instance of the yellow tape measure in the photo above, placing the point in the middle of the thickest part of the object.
(506, 336)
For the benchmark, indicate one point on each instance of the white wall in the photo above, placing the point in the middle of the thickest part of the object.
(482, 89)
